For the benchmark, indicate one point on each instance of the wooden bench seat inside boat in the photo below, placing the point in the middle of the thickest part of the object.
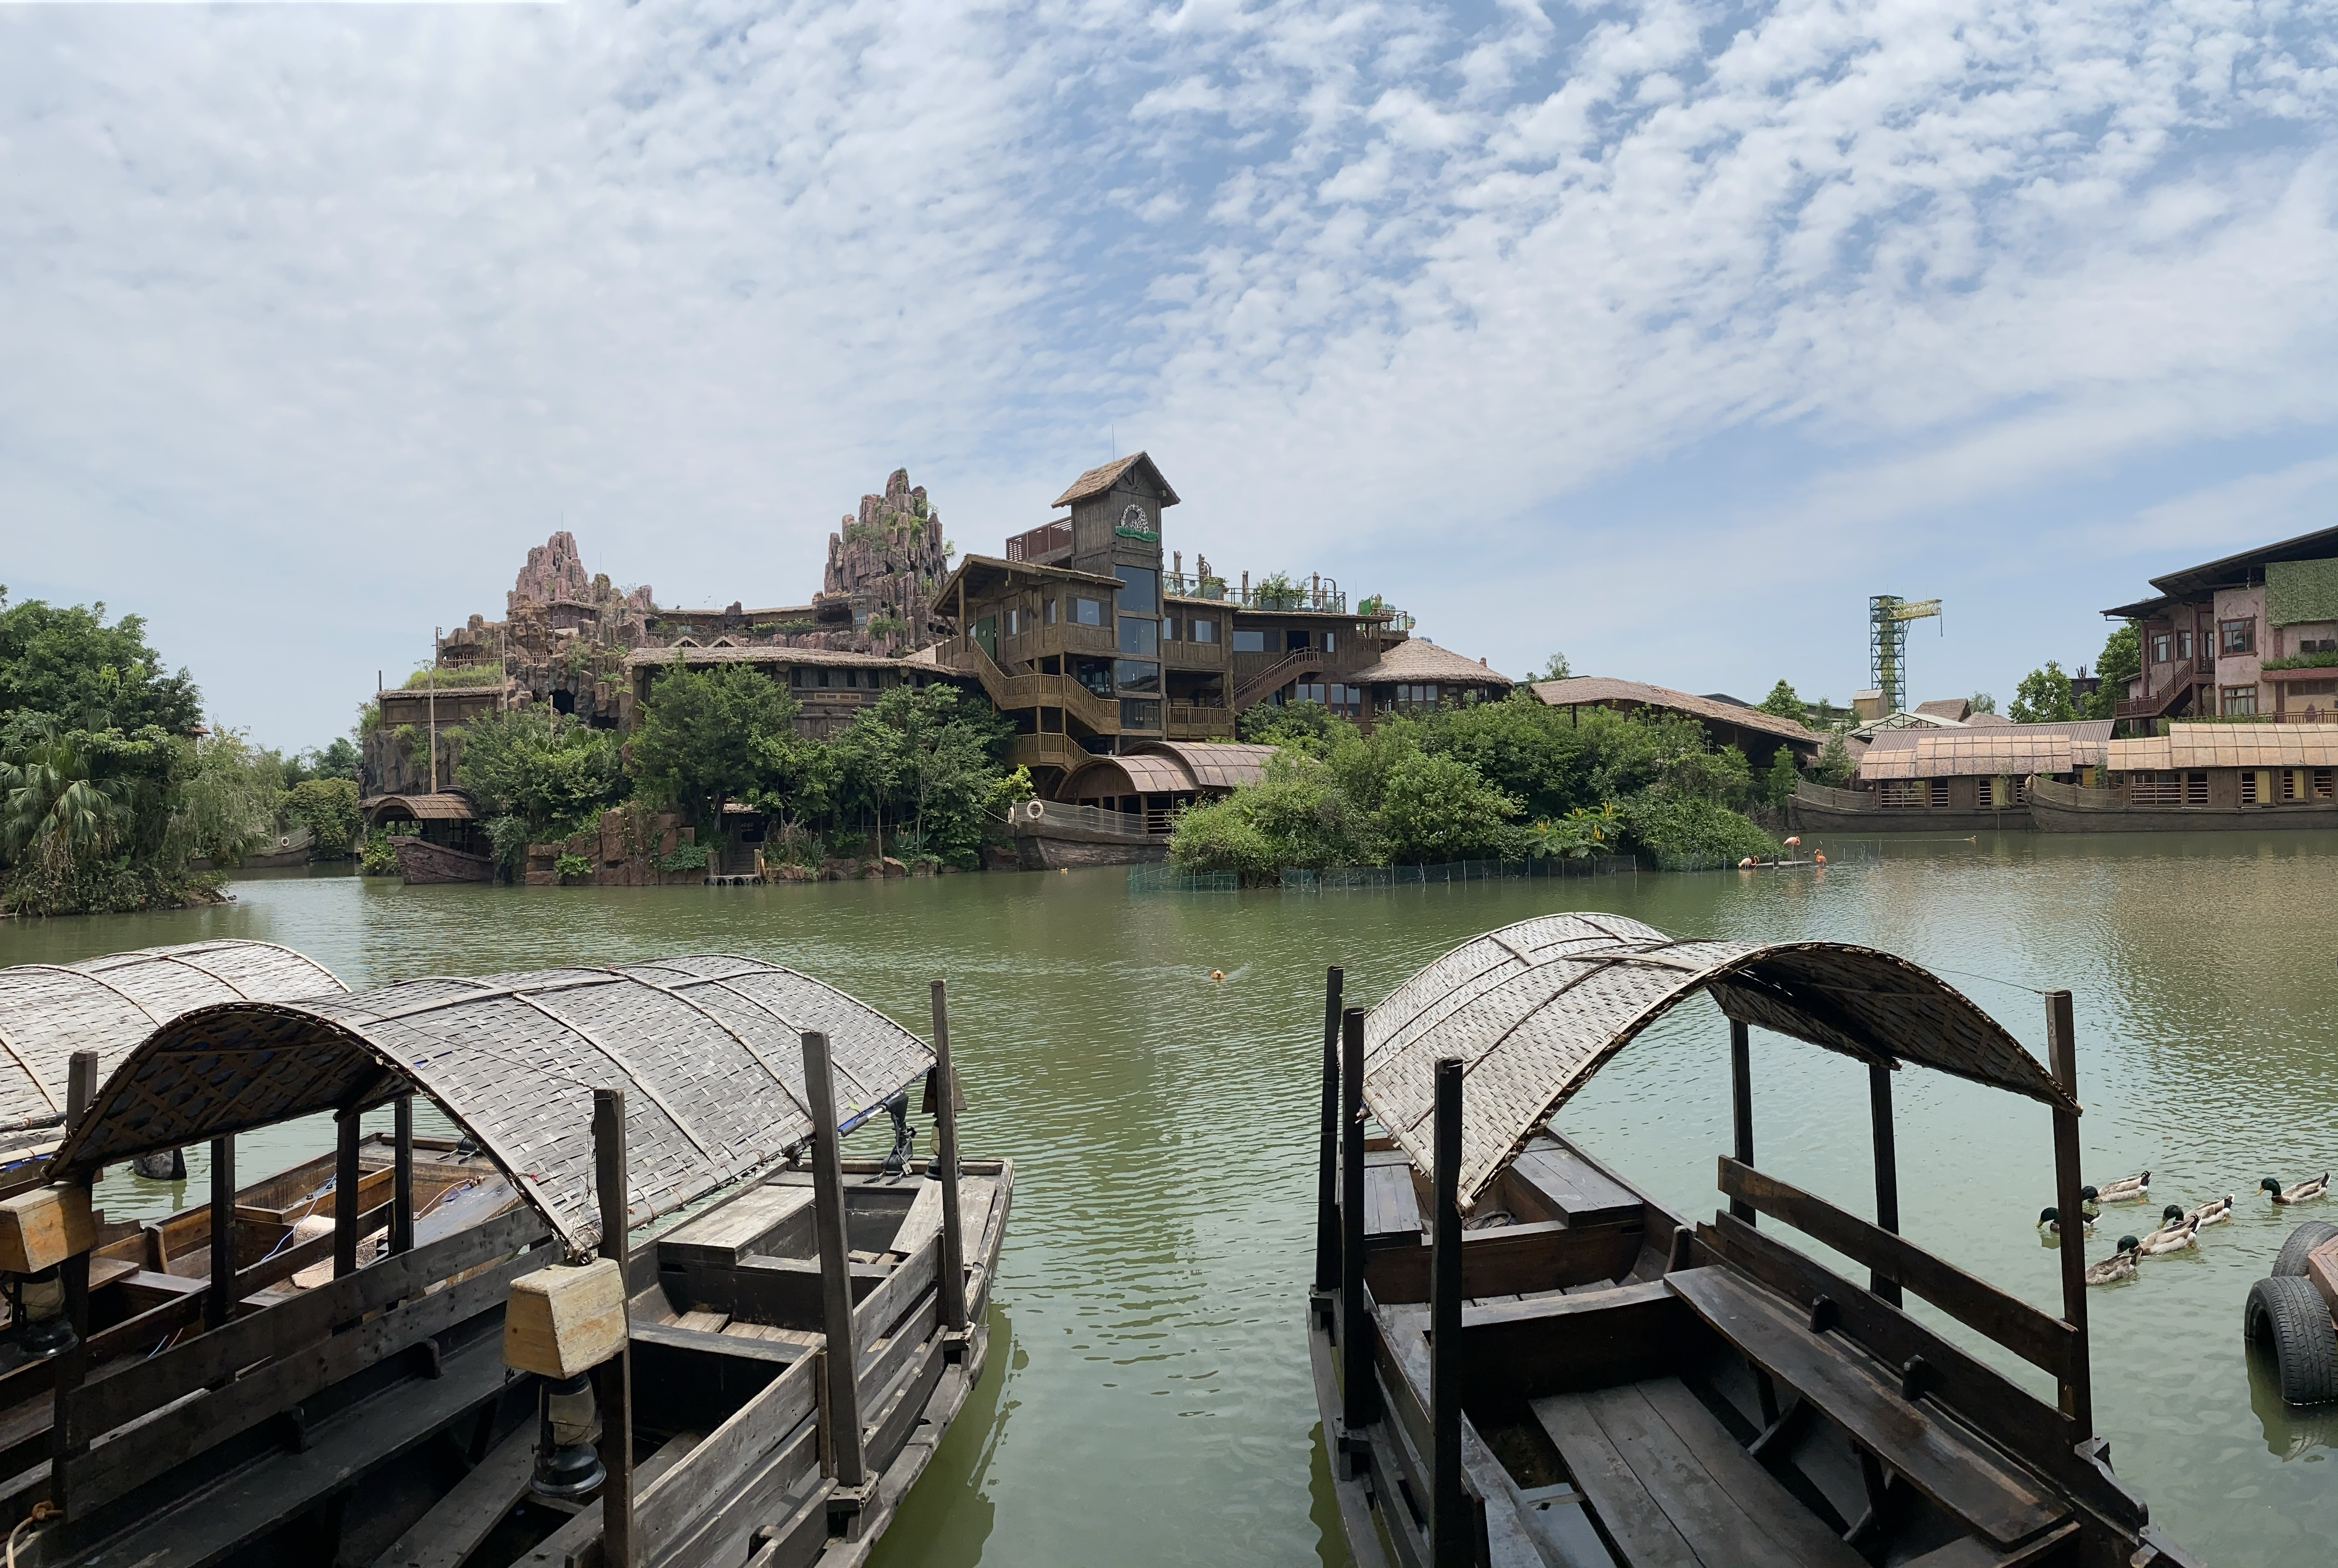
(1572, 1189)
(1391, 1202)
(1671, 1487)
(1964, 1477)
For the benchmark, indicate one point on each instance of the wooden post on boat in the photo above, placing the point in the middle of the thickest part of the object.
(219, 1296)
(347, 1178)
(1449, 1536)
(1327, 1155)
(73, 1363)
(1887, 1170)
(1741, 1106)
(401, 1180)
(1358, 1405)
(953, 1276)
(2062, 1049)
(614, 1375)
(841, 1355)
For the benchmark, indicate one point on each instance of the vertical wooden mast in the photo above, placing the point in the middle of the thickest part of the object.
(2062, 1049)
(839, 1356)
(953, 1260)
(1327, 1163)
(1887, 1169)
(615, 1375)
(1359, 1406)
(1450, 1541)
(1740, 1107)
(219, 1299)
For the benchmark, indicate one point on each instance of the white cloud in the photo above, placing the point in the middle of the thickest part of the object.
(316, 317)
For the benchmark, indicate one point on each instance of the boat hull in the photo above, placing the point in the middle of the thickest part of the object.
(2065, 809)
(421, 862)
(1812, 818)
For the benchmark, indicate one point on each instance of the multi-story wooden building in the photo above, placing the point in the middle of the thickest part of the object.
(2252, 636)
(1084, 635)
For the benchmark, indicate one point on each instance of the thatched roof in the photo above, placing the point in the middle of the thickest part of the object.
(444, 807)
(1098, 481)
(756, 653)
(49, 1011)
(1169, 767)
(1536, 1008)
(708, 1050)
(1590, 690)
(2228, 746)
(1417, 658)
(2015, 750)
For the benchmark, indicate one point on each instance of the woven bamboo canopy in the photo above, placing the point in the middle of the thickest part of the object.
(708, 1050)
(1536, 1008)
(49, 1011)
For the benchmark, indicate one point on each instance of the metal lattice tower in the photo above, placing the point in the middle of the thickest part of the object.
(1888, 615)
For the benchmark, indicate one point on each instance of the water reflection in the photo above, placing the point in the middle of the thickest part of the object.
(2291, 1431)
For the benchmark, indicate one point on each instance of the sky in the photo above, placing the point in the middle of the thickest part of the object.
(1660, 334)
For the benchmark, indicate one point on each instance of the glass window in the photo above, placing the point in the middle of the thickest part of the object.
(1140, 714)
(1248, 641)
(1095, 674)
(1168, 628)
(1201, 630)
(795, 676)
(2163, 648)
(1294, 641)
(2240, 701)
(2236, 636)
(1331, 640)
(1050, 610)
(1088, 612)
(2183, 645)
(1140, 590)
(1015, 622)
(1136, 675)
(1140, 636)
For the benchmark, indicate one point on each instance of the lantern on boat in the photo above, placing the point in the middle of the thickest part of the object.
(41, 1308)
(567, 1465)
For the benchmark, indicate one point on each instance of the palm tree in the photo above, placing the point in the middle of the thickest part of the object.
(52, 812)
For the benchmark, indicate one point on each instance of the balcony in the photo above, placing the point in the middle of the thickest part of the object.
(1042, 546)
(1191, 723)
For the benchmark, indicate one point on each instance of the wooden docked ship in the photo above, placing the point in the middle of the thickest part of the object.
(762, 1381)
(1521, 1359)
(2247, 778)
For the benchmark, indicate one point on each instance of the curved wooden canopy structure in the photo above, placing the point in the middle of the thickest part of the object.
(1536, 1008)
(708, 1050)
(49, 1011)
(447, 805)
(1169, 767)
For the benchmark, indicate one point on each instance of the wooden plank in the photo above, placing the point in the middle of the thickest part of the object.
(111, 1468)
(1969, 1482)
(923, 1222)
(901, 1413)
(787, 1291)
(577, 1543)
(732, 1231)
(1767, 1505)
(876, 1313)
(2033, 1430)
(1633, 1521)
(128, 1392)
(721, 1536)
(1716, 1525)
(1510, 1260)
(670, 1506)
(700, 1342)
(1582, 1194)
(2038, 1337)
(1556, 1344)
(882, 1363)
(472, 1507)
(1391, 1205)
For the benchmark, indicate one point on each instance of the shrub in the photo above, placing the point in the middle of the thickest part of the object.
(1436, 808)
(328, 807)
(572, 868)
(1675, 832)
(379, 857)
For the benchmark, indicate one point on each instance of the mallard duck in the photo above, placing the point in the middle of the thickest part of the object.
(2086, 1204)
(2215, 1211)
(2049, 1220)
(2171, 1241)
(2117, 1266)
(2304, 1192)
(2132, 1189)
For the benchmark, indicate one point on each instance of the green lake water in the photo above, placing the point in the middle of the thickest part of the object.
(1148, 1398)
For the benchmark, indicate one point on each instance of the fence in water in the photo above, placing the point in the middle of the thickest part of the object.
(1168, 879)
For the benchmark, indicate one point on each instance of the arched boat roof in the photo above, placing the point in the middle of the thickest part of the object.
(1536, 1008)
(707, 1048)
(49, 1011)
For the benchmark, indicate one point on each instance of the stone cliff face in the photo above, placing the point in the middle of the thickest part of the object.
(555, 571)
(887, 561)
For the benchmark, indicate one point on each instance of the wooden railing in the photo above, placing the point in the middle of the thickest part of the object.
(229, 1380)
(1261, 682)
(2159, 701)
(1033, 814)
(1046, 748)
(1008, 692)
(1191, 723)
(2038, 1337)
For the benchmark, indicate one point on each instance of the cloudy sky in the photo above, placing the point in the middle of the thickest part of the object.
(1660, 333)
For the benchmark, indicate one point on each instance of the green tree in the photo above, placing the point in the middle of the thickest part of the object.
(229, 798)
(1778, 782)
(2043, 697)
(1556, 668)
(1982, 702)
(549, 772)
(1308, 727)
(1782, 703)
(2120, 662)
(927, 761)
(328, 808)
(56, 811)
(66, 661)
(1438, 809)
(1835, 765)
(337, 759)
(700, 740)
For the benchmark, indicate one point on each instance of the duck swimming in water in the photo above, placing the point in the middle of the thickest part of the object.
(2303, 1193)
(2132, 1189)
(2118, 1266)
(2171, 1241)
(2216, 1212)
(2049, 1222)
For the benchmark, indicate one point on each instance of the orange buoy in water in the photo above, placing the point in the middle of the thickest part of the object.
(1217, 973)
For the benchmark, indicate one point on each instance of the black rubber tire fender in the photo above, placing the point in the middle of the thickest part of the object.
(2289, 1314)
(2291, 1264)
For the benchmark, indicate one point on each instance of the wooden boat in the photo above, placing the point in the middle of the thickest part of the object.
(1816, 808)
(2068, 808)
(1521, 1359)
(422, 862)
(397, 1414)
